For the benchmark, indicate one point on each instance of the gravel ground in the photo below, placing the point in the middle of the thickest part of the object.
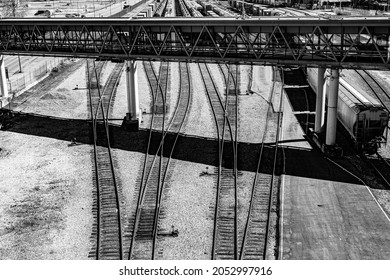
(62, 101)
(46, 199)
(46, 211)
(200, 121)
(195, 220)
(55, 192)
(188, 195)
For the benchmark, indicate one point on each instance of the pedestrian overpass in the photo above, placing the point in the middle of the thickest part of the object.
(352, 42)
(346, 43)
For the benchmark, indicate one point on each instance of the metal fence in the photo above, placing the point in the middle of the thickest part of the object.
(21, 82)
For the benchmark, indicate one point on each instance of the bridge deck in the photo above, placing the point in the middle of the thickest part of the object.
(349, 42)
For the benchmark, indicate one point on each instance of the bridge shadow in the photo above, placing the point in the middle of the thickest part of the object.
(300, 162)
(303, 103)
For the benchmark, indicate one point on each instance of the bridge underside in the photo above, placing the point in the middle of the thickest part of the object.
(312, 42)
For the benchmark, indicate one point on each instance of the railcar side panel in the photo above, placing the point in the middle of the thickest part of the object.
(366, 122)
(371, 124)
(347, 115)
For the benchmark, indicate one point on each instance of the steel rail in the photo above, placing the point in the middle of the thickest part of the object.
(255, 180)
(378, 171)
(255, 200)
(219, 160)
(280, 120)
(163, 168)
(113, 81)
(234, 147)
(181, 123)
(160, 183)
(387, 107)
(141, 194)
(96, 164)
(373, 90)
(96, 159)
(221, 140)
(101, 105)
(234, 79)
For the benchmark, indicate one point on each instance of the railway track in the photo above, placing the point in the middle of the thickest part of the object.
(225, 217)
(231, 75)
(107, 228)
(157, 169)
(379, 164)
(380, 92)
(255, 241)
(381, 167)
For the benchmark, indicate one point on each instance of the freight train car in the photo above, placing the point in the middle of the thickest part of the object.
(362, 116)
(252, 8)
(212, 14)
(160, 8)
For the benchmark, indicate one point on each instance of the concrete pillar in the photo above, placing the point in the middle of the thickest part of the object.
(133, 116)
(333, 94)
(132, 91)
(3, 79)
(320, 102)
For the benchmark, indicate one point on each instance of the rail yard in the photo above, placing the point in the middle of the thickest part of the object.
(224, 165)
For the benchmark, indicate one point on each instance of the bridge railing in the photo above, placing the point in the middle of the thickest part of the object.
(331, 43)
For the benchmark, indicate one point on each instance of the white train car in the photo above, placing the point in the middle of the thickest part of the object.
(212, 14)
(363, 117)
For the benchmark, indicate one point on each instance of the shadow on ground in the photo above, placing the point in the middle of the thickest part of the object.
(300, 162)
(303, 102)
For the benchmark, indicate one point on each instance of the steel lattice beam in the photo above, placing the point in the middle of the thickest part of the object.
(346, 43)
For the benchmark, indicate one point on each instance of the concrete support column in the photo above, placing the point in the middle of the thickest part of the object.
(132, 91)
(320, 102)
(3, 79)
(333, 94)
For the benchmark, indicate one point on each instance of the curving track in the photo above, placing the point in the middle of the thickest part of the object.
(157, 167)
(255, 242)
(377, 89)
(107, 231)
(225, 217)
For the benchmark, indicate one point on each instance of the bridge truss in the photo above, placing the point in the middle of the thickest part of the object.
(345, 43)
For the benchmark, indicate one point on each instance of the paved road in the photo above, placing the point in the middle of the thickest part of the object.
(327, 213)
(324, 219)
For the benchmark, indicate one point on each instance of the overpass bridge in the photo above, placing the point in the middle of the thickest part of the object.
(352, 42)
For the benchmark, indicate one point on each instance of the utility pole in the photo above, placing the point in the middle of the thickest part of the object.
(20, 65)
(15, 4)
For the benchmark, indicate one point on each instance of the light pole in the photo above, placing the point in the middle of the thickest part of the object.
(15, 5)
(20, 65)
